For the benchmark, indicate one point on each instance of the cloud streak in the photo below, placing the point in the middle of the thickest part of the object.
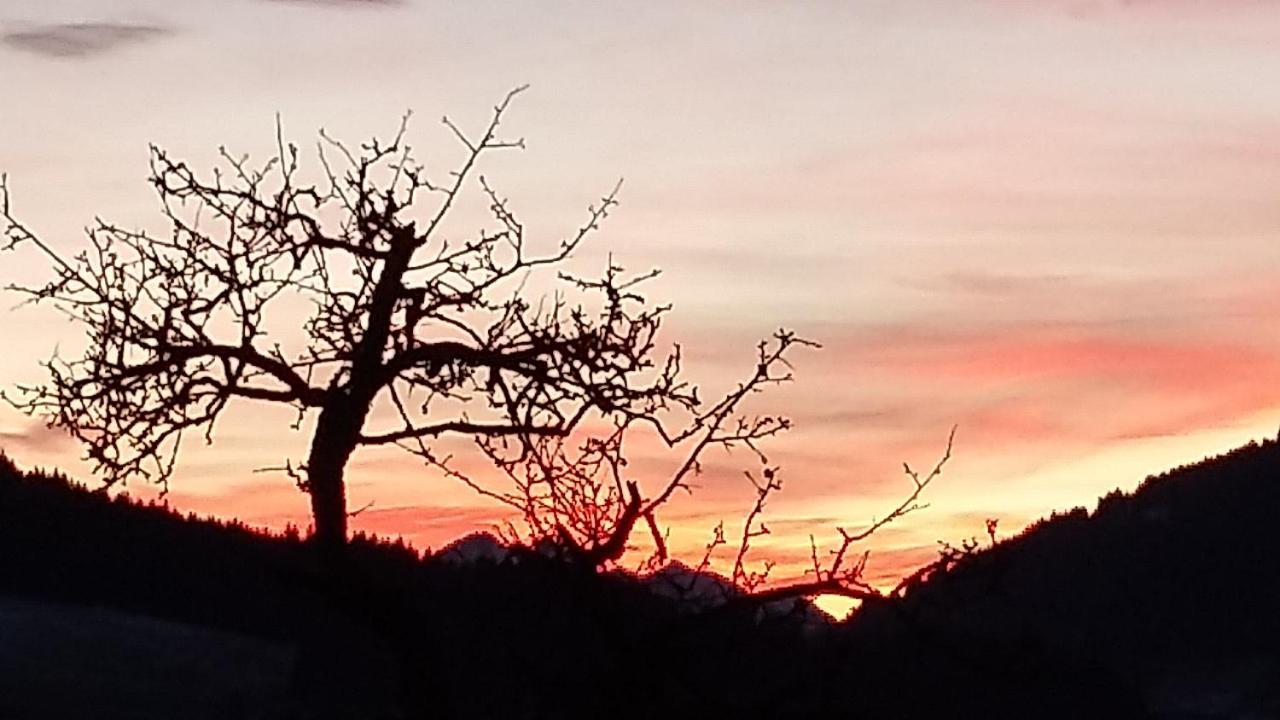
(80, 40)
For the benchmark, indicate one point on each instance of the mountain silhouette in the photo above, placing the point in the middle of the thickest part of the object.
(1157, 604)
(1173, 588)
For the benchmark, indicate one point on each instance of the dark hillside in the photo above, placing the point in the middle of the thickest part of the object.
(1174, 588)
(60, 543)
(137, 612)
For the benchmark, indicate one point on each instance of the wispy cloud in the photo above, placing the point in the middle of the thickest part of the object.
(80, 40)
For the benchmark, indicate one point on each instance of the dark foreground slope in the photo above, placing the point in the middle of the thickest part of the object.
(1174, 588)
(112, 609)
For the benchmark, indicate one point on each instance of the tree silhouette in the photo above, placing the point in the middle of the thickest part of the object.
(440, 329)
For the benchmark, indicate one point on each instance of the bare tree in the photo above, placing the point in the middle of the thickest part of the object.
(577, 489)
(840, 571)
(438, 328)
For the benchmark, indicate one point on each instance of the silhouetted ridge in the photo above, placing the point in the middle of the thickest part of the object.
(1174, 587)
(521, 635)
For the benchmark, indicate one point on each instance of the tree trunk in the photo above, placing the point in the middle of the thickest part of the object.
(343, 415)
(335, 438)
(328, 510)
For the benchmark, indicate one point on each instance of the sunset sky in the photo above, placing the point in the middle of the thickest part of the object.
(1055, 224)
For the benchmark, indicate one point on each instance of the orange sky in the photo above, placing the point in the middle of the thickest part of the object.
(1053, 224)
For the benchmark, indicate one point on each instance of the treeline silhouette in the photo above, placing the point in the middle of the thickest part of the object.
(1174, 588)
(1160, 603)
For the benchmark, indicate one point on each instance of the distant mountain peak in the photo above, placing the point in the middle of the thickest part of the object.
(478, 547)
